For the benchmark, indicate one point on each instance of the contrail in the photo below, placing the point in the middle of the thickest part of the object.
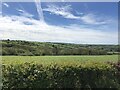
(39, 10)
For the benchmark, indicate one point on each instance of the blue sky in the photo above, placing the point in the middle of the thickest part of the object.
(69, 22)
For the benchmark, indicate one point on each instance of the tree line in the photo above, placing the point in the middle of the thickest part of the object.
(27, 48)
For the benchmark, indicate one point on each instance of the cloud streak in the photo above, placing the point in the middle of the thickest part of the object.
(5, 4)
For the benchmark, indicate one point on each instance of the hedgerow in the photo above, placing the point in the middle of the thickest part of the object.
(30, 75)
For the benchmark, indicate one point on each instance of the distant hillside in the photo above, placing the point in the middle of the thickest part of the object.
(25, 48)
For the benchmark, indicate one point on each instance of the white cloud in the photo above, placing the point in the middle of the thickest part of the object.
(24, 13)
(79, 13)
(90, 19)
(13, 27)
(66, 12)
(20, 10)
(5, 4)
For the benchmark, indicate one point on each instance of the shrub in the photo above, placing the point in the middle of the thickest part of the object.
(117, 67)
(30, 75)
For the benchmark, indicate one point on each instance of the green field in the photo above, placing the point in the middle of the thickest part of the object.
(61, 60)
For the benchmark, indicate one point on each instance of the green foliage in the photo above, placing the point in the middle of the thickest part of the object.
(30, 75)
(26, 48)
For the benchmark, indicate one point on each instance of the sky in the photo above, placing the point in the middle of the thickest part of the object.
(65, 22)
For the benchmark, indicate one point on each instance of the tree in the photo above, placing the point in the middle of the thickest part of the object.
(55, 50)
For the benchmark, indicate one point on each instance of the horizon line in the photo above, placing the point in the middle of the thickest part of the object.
(58, 42)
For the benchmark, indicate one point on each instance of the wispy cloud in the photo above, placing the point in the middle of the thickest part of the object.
(13, 27)
(66, 12)
(93, 19)
(79, 13)
(24, 13)
(5, 4)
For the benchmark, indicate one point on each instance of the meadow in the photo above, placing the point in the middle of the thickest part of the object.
(67, 60)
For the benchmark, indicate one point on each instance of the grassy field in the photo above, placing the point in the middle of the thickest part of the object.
(64, 60)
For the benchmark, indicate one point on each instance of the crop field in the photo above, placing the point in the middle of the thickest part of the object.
(67, 60)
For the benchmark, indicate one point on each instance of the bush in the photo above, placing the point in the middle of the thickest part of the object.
(117, 66)
(29, 75)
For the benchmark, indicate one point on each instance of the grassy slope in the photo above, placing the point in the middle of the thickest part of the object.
(66, 60)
